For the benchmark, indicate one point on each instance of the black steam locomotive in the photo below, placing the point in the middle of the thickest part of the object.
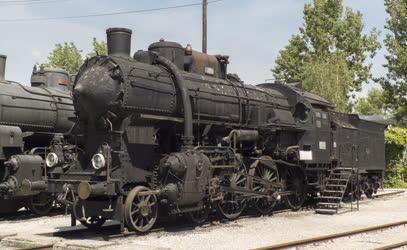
(170, 132)
(30, 118)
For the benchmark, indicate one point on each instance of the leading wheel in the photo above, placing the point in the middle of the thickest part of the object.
(41, 204)
(295, 185)
(353, 190)
(93, 222)
(369, 193)
(199, 217)
(234, 203)
(265, 174)
(140, 210)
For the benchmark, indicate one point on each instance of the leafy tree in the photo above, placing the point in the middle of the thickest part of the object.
(395, 82)
(65, 56)
(373, 104)
(329, 32)
(330, 76)
(68, 57)
(99, 48)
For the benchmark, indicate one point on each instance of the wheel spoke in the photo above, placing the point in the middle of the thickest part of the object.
(260, 171)
(138, 218)
(240, 181)
(135, 211)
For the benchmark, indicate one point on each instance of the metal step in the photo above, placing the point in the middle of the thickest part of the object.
(325, 211)
(335, 185)
(328, 204)
(330, 197)
(333, 191)
(338, 180)
(340, 175)
(342, 190)
(343, 169)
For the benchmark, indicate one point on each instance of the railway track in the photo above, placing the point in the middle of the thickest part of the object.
(304, 242)
(388, 194)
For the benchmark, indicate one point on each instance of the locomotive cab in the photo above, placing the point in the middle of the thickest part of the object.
(51, 78)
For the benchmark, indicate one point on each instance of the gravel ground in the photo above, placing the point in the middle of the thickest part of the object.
(253, 232)
(248, 233)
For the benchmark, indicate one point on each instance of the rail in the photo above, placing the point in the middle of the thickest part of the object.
(327, 237)
(392, 246)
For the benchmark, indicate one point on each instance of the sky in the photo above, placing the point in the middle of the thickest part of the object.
(251, 32)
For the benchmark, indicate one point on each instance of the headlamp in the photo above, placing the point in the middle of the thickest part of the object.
(51, 160)
(98, 161)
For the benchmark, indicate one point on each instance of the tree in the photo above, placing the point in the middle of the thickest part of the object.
(395, 82)
(373, 104)
(68, 57)
(330, 76)
(65, 56)
(99, 48)
(328, 32)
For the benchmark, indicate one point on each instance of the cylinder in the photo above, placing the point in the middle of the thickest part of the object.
(118, 42)
(3, 59)
(36, 185)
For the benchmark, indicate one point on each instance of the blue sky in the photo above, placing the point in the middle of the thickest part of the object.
(251, 32)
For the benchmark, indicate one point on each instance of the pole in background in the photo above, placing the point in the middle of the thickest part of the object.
(204, 26)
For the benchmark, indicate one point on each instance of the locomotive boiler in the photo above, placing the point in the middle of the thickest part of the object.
(30, 117)
(169, 131)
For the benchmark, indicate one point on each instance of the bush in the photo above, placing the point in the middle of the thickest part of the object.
(396, 158)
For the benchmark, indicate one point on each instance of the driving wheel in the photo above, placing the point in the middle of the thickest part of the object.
(234, 203)
(295, 185)
(264, 174)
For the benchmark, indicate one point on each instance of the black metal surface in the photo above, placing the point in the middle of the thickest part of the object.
(118, 41)
(3, 59)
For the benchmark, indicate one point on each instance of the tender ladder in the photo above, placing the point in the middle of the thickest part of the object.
(331, 197)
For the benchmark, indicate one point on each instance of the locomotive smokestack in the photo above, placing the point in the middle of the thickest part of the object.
(118, 41)
(3, 59)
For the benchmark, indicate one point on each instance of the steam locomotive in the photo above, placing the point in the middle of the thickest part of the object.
(170, 132)
(30, 118)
